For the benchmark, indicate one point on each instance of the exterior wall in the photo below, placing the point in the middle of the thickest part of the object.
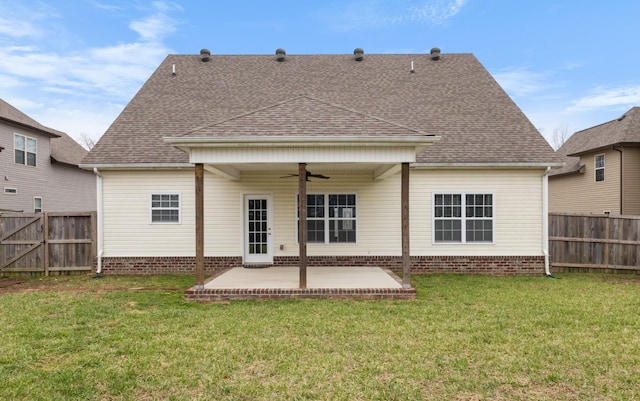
(489, 265)
(517, 208)
(580, 193)
(631, 181)
(62, 187)
(128, 233)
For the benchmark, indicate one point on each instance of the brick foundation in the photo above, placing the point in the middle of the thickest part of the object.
(165, 264)
(487, 265)
(217, 295)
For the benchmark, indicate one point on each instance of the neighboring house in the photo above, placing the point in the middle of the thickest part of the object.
(200, 167)
(602, 170)
(39, 167)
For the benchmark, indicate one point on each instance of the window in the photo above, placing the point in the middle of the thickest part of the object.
(165, 208)
(331, 218)
(10, 191)
(24, 150)
(599, 164)
(37, 204)
(463, 218)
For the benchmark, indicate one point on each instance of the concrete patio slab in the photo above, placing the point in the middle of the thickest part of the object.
(317, 277)
(282, 282)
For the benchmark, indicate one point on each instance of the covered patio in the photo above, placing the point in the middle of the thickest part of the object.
(282, 282)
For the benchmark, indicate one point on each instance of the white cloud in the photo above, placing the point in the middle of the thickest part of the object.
(522, 82)
(436, 11)
(360, 14)
(17, 29)
(621, 98)
(80, 92)
(157, 26)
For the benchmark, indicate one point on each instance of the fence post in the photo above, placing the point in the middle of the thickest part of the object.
(606, 244)
(45, 236)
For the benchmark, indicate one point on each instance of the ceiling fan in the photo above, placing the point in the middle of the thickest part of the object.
(309, 175)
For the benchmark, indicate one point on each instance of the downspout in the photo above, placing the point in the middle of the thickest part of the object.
(99, 240)
(621, 180)
(545, 221)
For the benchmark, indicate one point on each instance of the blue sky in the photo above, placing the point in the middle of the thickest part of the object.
(73, 65)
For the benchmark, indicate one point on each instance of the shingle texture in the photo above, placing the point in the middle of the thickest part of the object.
(454, 97)
(622, 131)
(63, 148)
(11, 114)
(66, 150)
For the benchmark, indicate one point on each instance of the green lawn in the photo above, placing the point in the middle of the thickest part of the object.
(464, 338)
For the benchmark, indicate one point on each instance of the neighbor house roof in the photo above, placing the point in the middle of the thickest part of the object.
(63, 148)
(10, 114)
(619, 132)
(453, 97)
(66, 150)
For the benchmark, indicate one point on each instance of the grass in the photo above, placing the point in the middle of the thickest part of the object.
(464, 338)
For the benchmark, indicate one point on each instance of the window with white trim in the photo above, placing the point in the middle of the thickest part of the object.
(599, 168)
(37, 204)
(331, 218)
(25, 149)
(463, 218)
(165, 208)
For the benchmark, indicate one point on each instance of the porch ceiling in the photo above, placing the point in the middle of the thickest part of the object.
(234, 171)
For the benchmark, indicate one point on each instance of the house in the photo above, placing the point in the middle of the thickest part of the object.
(415, 162)
(602, 170)
(39, 167)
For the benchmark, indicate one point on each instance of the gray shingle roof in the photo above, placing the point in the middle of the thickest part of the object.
(63, 148)
(454, 97)
(13, 115)
(302, 116)
(66, 150)
(621, 131)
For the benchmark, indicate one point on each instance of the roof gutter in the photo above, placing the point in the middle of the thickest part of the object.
(302, 141)
(487, 165)
(136, 166)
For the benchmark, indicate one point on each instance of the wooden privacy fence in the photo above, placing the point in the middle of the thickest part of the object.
(592, 242)
(45, 243)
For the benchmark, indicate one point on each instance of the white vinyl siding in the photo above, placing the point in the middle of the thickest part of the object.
(517, 216)
(126, 205)
(127, 232)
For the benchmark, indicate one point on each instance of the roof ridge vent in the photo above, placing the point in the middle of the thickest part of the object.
(435, 53)
(205, 55)
(358, 54)
(280, 54)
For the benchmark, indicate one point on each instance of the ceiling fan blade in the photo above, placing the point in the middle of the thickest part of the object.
(309, 174)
